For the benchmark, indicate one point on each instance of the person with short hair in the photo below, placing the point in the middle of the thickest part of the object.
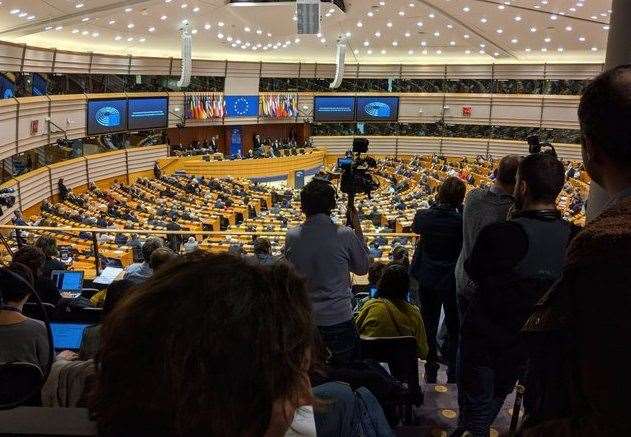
(579, 381)
(262, 252)
(511, 266)
(48, 245)
(390, 314)
(23, 339)
(160, 257)
(191, 245)
(326, 254)
(34, 259)
(139, 272)
(484, 206)
(440, 228)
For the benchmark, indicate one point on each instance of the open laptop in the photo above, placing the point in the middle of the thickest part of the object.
(67, 335)
(68, 282)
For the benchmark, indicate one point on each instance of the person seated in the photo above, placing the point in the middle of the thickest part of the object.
(48, 245)
(139, 272)
(23, 339)
(160, 257)
(90, 341)
(262, 253)
(191, 245)
(206, 382)
(389, 314)
(33, 258)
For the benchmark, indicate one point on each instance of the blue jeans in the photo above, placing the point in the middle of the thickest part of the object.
(479, 398)
(342, 340)
(349, 413)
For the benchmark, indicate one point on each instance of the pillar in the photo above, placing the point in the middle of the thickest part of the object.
(618, 53)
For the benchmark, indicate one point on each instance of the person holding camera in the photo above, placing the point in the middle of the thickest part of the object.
(511, 266)
(325, 254)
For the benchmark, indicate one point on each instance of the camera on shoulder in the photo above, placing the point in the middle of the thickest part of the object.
(355, 177)
(536, 146)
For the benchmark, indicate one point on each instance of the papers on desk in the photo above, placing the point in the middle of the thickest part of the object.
(107, 276)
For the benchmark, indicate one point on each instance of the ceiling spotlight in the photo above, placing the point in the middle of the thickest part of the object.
(118, 38)
(553, 17)
(466, 9)
(533, 29)
(59, 28)
(78, 5)
(85, 19)
(128, 9)
(220, 24)
(75, 30)
(206, 26)
(377, 34)
(259, 31)
(395, 43)
(467, 36)
(389, 24)
(130, 26)
(14, 11)
(111, 22)
(452, 43)
(581, 38)
(85, 32)
(547, 39)
(184, 5)
(164, 17)
(514, 40)
(370, 14)
(407, 34)
(229, 38)
(517, 18)
(246, 29)
(95, 34)
(194, 31)
(130, 39)
(568, 28)
(220, 35)
(196, 9)
(322, 40)
(366, 43)
(30, 17)
(360, 24)
(152, 29)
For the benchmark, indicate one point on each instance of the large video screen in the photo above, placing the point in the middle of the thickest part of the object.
(333, 108)
(148, 113)
(39, 85)
(377, 108)
(242, 106)
(106, 116)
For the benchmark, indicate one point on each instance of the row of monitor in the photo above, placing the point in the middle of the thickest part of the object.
(106, 116)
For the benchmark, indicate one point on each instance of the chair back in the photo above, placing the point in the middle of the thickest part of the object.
(34, 311)
(20, 383)
(401, 356)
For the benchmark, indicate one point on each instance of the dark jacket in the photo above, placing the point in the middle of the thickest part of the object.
(440, 228)
(511, 266)
(579, 336)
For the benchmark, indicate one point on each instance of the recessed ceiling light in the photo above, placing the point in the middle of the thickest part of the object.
(467, 36)
(184, 5)
(438, 52)
(220, 35)
(95, 34)
(407, 34)
(247, 29)
(85, 19)
(594, 49)
(297, 40)
(432, 15)
(369, 51)
(78, 5)
(14, 11)
(370, 14)
(164, 17)
(128, 9)
(194, 31)
(360, 24)
(547, 39)
(553, 17)
(348, 34)
(395, 43)
(196, 9)
(450, 26)
(59, 28)
(466, 9)
(500, 31)
(269, 34)
(229, 38)
(452, 43)
(111, 22)
(377, 34)
(389, 24)
(366, 43)
(75, 30)
(517, 18)
(423, 43)
(220, 24)
(581, 38)
(322, 40)
(130, 26)
(483, 20)
(118, 38)
(419, 24)
(152, 29)
(383, 51)
(402, 13)
(436, 34)
(130, 39)
(85, 32)
(533, 29)
(568, 28)
(502, 7)
(514, 40)
(605, 27)
(206, 26)
(259, 31)
(410, 52)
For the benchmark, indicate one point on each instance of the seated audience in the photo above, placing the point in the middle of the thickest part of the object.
(389, 314)
(233, 382)
(23, 339)
(435, 260)
(191, 245)
(140, 272)
(34, 259)
(160, 257)
(579, 380)
(512, 265)
(48, 245)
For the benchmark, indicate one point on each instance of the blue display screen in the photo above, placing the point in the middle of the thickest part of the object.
(7, 87)
(242, 106)
(67, 335)
(148, 113)
(333, 108)
(377, 108)
(39, 86)
(106, 116)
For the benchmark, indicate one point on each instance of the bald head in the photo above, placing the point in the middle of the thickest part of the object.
(605, 115)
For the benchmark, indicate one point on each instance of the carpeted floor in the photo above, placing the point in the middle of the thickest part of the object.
(439, 413)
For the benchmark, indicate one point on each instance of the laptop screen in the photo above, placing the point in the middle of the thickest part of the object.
(67, 335)
(68, 280)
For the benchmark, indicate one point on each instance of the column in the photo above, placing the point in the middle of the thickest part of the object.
(618, 53)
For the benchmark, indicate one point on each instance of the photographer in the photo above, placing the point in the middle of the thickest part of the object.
(325, 254)
(512, 265)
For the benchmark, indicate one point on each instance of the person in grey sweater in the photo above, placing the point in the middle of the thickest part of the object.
(482, 207)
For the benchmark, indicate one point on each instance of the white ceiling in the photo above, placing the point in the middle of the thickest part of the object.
(386, 31)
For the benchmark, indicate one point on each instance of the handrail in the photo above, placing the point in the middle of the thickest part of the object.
(158, 231)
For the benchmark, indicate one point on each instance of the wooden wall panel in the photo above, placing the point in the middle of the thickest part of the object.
(516, 110)
(34, 187)
(109, 64)
(560, 112)
(421, 108)
(106, 165)
(32, 109)
(73, 172)
(38, 60)
(69, 113)
(8, 130)
(143, 158)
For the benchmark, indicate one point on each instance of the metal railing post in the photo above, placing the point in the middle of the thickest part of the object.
(95, 246)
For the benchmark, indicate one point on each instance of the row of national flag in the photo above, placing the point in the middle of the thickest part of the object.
(205, 107)
(278, 106)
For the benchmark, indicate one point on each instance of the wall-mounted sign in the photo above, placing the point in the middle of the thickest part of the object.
(467, 111)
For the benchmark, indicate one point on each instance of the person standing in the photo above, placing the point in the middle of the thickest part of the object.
(511, 266)
(63, 190)
(326, 254)
(440, 228)
(484, 206)
(579, 381)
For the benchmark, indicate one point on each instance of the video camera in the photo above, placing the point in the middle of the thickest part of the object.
(7, 197)
(354, 168)
(536, 146)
